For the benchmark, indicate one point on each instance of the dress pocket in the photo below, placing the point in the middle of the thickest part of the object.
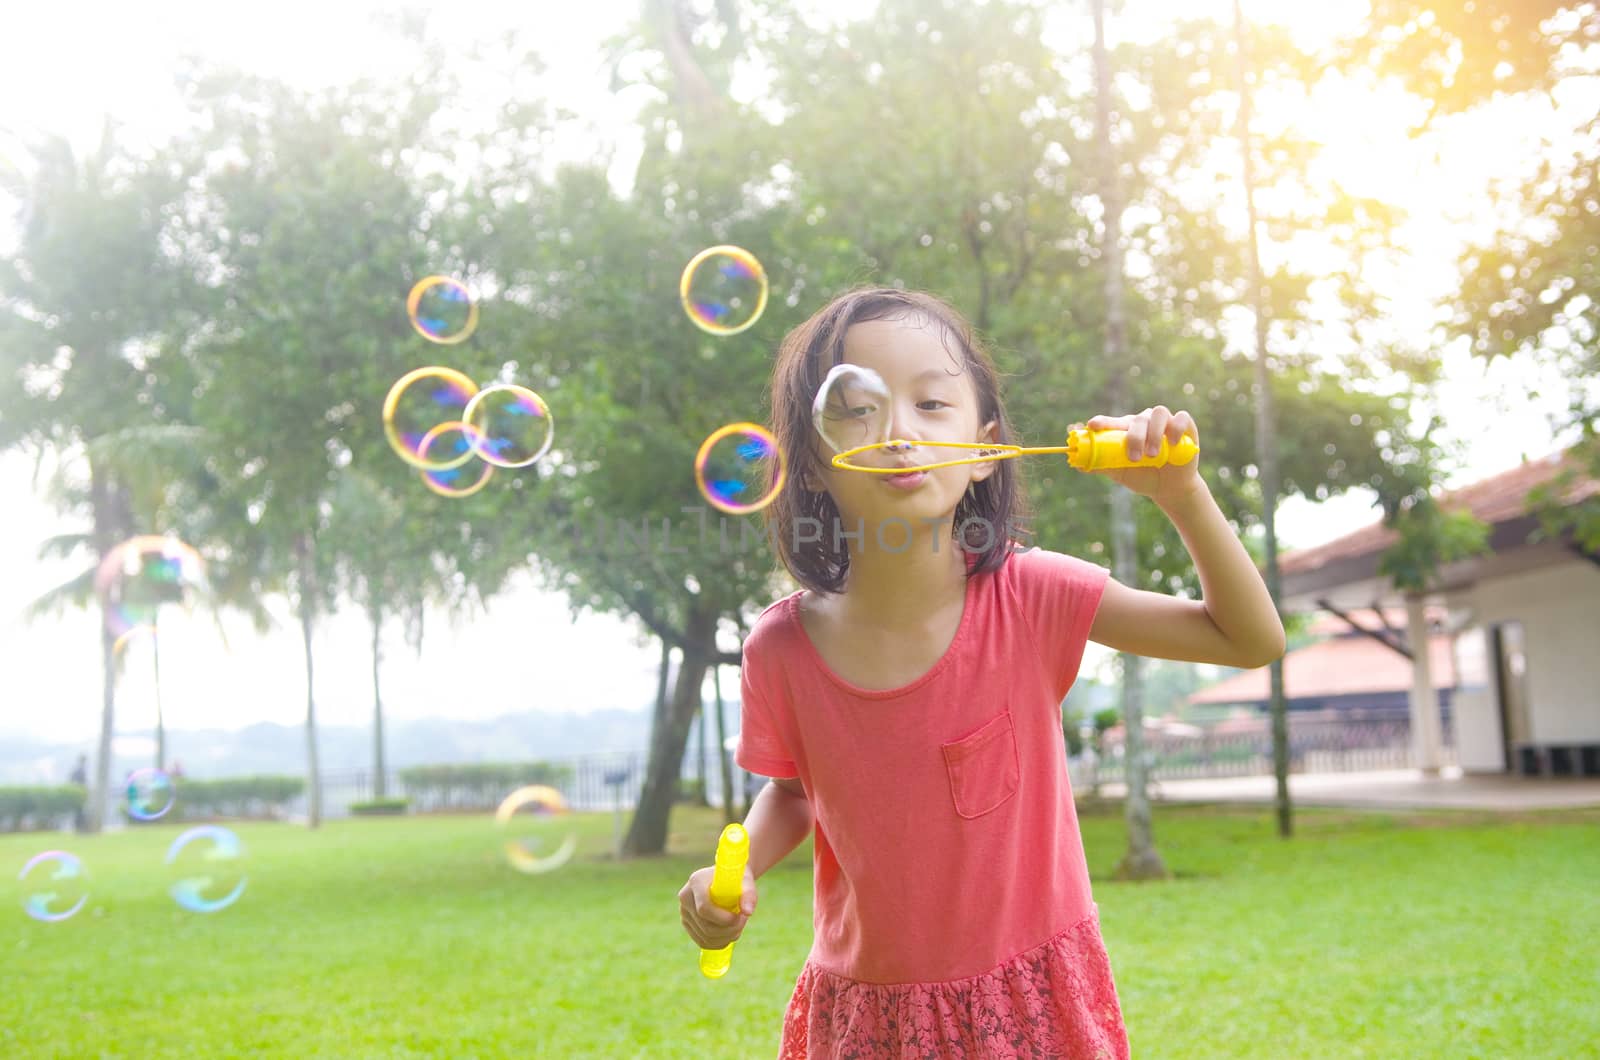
(983, 767)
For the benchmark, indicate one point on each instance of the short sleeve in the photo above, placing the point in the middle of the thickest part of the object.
(1060, 596)
(761, 748)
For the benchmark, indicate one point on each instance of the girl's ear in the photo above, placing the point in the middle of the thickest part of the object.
(987, 468)
(810, 481)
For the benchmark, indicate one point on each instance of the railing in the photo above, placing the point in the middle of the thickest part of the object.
(599, 781)
(1317, 744)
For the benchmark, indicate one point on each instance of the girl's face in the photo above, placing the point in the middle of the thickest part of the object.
(932, 398)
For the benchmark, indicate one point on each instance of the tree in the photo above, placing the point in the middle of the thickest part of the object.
(1529, 286)
(1141, 861)
(81, 297)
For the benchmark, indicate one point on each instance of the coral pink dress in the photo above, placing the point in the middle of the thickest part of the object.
(952, 913)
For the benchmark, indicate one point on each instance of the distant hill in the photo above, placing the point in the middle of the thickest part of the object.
(272, 748)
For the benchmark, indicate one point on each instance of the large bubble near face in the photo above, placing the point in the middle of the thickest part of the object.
(852, 408)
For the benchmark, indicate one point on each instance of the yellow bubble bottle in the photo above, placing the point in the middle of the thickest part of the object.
(727, 887)
(1107, 449)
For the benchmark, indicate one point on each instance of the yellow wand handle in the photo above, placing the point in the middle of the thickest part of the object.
(1103, 450)
(727, 887)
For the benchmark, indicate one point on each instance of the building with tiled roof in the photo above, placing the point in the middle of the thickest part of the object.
(1520, 666)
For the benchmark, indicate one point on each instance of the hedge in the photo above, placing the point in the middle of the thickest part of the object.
(38, 809)
(258, 796)
(379, 807)
(476, 786)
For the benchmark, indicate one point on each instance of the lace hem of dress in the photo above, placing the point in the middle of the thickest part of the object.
(1056, 1000)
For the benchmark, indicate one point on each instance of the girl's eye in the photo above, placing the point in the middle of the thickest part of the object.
(933, 401)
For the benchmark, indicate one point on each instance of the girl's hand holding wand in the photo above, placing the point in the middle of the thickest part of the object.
(1169, 484)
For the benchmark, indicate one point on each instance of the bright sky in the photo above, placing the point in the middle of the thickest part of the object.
(74, 62)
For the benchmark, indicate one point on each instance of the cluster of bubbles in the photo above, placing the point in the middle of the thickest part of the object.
(206, 871)
(441, 422)
(455, 434)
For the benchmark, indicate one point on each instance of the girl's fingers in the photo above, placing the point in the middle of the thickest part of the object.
(1182, 424)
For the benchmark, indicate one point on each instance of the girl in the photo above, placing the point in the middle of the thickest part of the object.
(906, 701)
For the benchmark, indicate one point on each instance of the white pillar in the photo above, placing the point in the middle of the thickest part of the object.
(1425, 727)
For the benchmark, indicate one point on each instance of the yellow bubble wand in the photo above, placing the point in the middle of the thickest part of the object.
(727, 887)
(1086, 450)
(851, 395)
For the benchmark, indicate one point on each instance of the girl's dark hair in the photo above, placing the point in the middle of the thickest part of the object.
(985, 515)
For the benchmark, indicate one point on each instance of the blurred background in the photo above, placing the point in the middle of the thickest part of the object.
(213, 217)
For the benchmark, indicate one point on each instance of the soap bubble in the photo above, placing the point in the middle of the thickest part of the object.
(852, 408)
(513, 424)
(138, 576)
(206, 866)
(150, 794)
(442, 310)
(418, 402)
(740, 468)
(462, 480)
(724, 290)
(538, 835)
(54, 885)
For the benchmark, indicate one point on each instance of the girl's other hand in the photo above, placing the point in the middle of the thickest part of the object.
(711, 926)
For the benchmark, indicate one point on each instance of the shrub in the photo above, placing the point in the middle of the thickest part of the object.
(31, 809)
(379, 807)
(477, 785)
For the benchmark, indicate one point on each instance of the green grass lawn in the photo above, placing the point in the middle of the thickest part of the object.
(1365, 936)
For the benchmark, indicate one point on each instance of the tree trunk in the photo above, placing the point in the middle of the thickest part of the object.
(1266, 437)
(109, 521)
(1141, 860)
(380, 787)
(647, 834)
(705, 762)
(730, 803)
(307, 563)
(161, 725)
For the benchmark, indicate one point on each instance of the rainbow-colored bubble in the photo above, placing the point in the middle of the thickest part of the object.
(723, 290)
(206, 869)
(740, 468)
(442, 310)
(143, 573)
(55, 885)
(513, 425)
(458, 480)
(538, 837)
(420, 401)
(151, 794)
